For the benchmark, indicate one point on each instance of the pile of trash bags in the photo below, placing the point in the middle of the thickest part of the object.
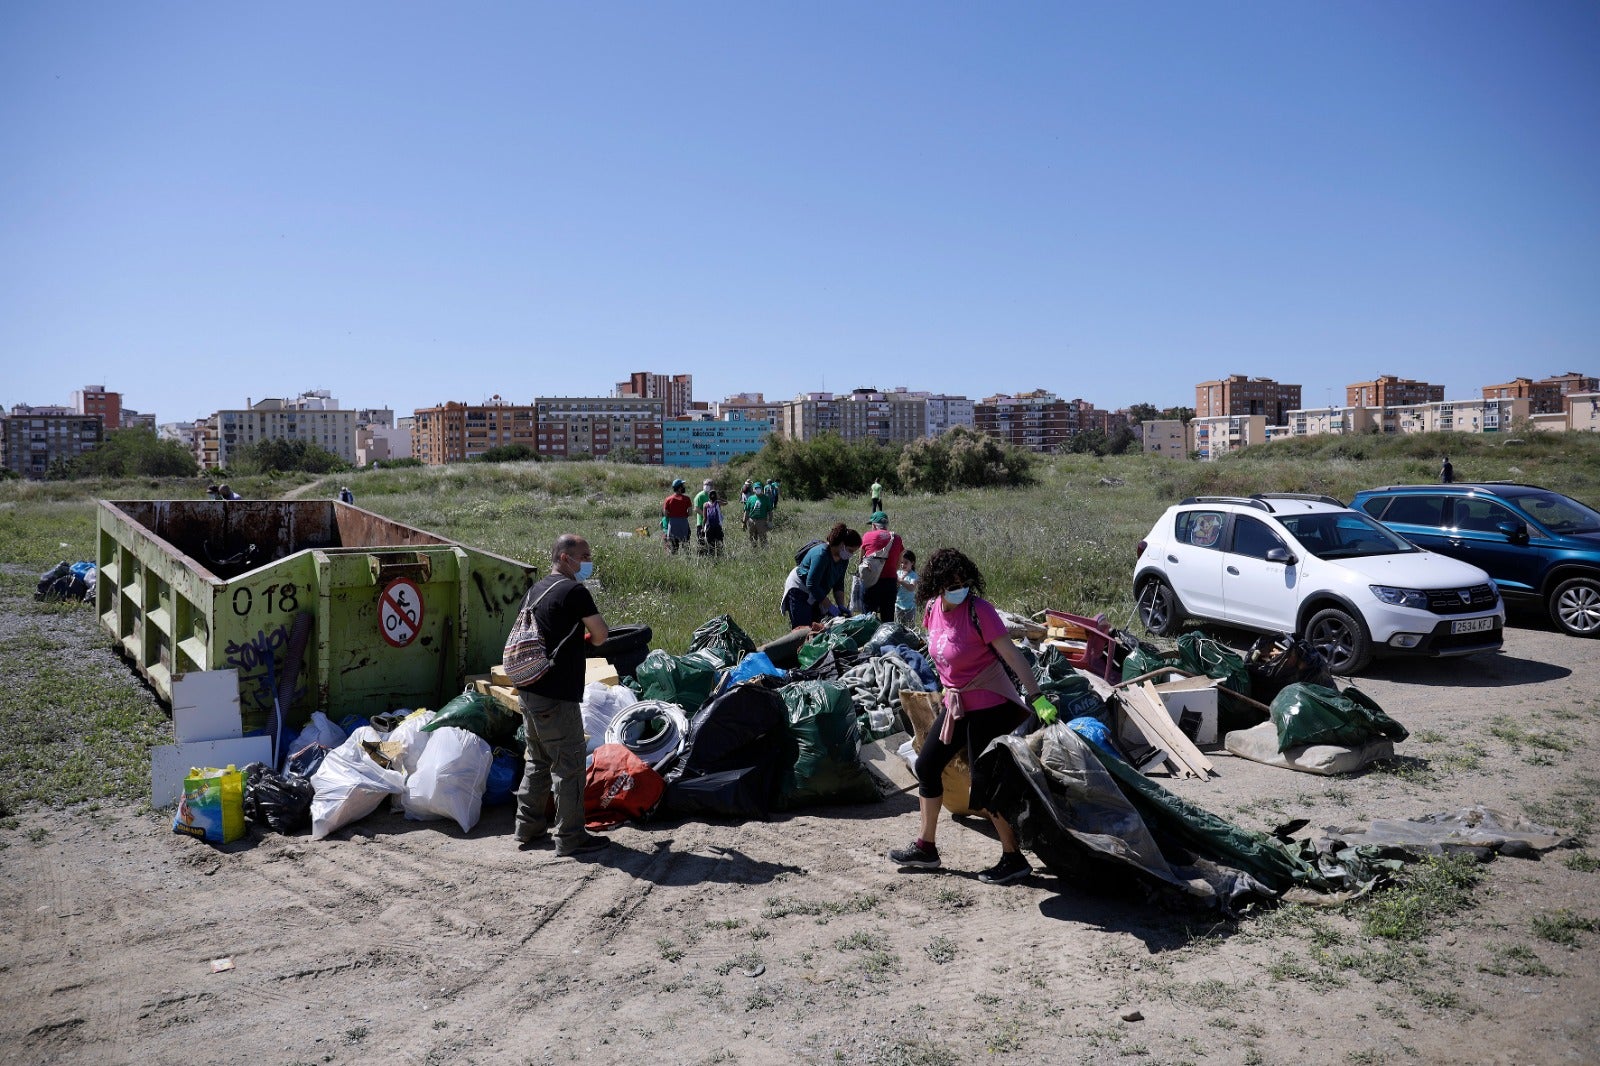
(70, 582)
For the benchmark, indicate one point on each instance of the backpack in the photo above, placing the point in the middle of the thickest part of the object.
(619, 785)
(525, 660)
(807, 546)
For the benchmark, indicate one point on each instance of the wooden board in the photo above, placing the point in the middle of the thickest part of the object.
(1138, 713)
(1172, 738)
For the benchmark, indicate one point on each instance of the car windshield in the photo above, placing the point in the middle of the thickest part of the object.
(1558, 513)
(1343, 535)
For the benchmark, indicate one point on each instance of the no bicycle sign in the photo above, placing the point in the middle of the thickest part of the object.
(400, 612)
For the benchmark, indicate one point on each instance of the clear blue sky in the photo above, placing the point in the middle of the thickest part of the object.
(410, 203)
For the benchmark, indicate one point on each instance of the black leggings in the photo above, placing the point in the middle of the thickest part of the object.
(973, 730)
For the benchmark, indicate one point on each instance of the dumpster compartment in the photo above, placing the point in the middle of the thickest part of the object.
(398, 616)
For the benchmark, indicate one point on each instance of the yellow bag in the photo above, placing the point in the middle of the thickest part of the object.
(212, 805)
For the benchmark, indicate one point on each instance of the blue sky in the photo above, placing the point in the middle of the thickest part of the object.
(411, 203)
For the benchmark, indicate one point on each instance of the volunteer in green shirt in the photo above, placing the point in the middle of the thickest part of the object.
(877, 496)
(757, 514)
(700, 499)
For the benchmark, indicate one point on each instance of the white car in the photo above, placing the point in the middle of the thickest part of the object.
(1293, 563)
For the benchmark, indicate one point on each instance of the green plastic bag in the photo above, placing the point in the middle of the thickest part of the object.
(1200, 654)
(723, 637)
(1141, 661)
(478, 713)
(816, 647)
(1316, 714)
(824, 757)
(858, 627)
(1070, 691)
(685, 680)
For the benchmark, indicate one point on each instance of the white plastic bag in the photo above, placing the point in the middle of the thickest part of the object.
(349, 786)
(410, 734)
(600, 705)
(451, 776)
(320, 730)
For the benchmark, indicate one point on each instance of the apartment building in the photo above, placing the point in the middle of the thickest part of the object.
(1166, 437)
(675, 391)
(749, 406)
(95, 400)
(1240, 395)
(1335, 421)
(1390, 391)
(32, 439)
(1545, 396)
(376, 443)
(1583, 411)
(599, 425)
(314, 417)
(1037, 420)
(712, 442)
(1455, 416)
(944, 412)
(1217, 435)
(455, 432)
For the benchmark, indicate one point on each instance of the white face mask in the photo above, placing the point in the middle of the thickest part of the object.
(956, 597)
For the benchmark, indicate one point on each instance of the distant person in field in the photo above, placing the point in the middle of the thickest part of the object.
(757, 514)
(1447, 473)
(772, 494)
(711, 513)
(675, 508)
(820, 573)
(345, 495)
(877, 496)
(699, 511)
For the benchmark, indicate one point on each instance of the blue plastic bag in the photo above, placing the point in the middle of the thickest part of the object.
(1095, 732)
(756, 664)
(505, 773)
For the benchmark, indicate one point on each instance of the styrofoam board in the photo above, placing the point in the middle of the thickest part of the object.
(205, 705)
(171, 763)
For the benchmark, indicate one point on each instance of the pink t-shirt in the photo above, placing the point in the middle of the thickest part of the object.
(959, 652)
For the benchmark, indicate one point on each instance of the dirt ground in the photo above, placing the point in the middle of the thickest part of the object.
(795, 941)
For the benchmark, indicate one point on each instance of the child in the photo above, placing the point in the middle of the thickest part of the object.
(905, 605)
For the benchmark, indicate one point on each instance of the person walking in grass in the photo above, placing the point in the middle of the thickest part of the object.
(711, 514)
(675, 508)
(877, 496)
(880, 567)
(566, 615)
(1447, 473)
(757, 514)
(699, 511)
(970, 651)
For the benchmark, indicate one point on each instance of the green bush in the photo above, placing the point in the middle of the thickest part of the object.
(133, 452)
(507, 453)
(266, 456)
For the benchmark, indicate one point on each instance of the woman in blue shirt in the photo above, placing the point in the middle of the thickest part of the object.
(819, 574)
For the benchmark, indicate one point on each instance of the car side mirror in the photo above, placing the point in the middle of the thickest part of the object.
(1281, 555)
(1516, 532)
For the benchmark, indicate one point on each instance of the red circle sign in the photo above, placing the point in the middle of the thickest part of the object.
(400, 612)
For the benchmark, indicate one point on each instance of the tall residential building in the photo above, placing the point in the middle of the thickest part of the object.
(132, 419)
(675, 391)
(1166, 437)
(1218, 435)
(711, 442)
(1455, 416)
(599, 425)
(750, 405)
(863, 414)
(1034, 420)
(1390, 391)
(314, 417)
(944, 411)
(95, 400)
(1545, 396)
(455, 432)
(32, 439)
(1240, 395)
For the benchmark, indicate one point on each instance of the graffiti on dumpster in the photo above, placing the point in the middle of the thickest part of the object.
(251, 658)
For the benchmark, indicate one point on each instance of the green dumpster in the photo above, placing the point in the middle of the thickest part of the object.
(397, 617)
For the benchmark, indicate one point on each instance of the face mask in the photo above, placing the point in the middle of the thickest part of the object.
(585, 570)
(844, 552)
(954, 597)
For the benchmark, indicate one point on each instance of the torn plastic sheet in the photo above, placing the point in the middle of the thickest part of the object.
(1477, 830)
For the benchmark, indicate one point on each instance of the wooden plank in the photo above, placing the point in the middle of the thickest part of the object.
(1182, 746)
(1133, 706)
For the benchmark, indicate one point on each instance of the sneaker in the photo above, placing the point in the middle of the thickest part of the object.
(1011, 867)
(581, 845)
(916, 855)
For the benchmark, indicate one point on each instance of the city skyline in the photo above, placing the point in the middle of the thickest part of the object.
(1105, 202)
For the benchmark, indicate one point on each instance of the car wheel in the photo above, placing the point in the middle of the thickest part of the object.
(1342, 639)
(1158, 607)
(1575, 606)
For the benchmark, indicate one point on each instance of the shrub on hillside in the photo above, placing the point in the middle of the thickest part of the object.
(507, 453)
(267, 456)
(961, 458)
(135, 452)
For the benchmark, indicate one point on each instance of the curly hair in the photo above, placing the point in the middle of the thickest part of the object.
(843, 534)
(947, 569)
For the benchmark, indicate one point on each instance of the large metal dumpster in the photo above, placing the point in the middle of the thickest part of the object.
(398, 616)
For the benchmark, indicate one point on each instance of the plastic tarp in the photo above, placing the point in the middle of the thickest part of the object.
(826, 748)
(1475, 830)
(1313, 714)
(722, 637)
(451, 776)
(685, 680)
(892, 633)
(754, 665)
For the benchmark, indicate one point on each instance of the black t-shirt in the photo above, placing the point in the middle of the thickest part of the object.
(562, 610)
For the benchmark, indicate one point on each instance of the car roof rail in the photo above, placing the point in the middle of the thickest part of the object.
(1246, 501)
(1309, 497)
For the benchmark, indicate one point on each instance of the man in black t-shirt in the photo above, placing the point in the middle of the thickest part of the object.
(566, 616)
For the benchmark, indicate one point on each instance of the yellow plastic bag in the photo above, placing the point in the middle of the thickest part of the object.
(212, 805)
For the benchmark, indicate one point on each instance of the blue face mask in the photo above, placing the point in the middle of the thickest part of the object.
(585, 570)
(955, 597)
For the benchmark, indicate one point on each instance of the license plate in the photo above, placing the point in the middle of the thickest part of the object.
(1472, 625)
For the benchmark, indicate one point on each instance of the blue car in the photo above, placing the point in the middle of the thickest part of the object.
(1539, 546)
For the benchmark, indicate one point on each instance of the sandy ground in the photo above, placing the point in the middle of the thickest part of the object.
(794, 941)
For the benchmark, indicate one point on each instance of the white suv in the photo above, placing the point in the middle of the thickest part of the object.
(1292, 563)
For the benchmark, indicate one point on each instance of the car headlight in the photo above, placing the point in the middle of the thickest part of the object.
(1494, 590)
(1401, 597)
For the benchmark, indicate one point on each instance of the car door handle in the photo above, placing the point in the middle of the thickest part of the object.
(1172, 558)
(1234, 570)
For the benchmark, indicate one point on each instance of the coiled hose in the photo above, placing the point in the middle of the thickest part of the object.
(654, 730)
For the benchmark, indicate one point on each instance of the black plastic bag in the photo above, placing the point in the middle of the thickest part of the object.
(306, 761)
(281, 803)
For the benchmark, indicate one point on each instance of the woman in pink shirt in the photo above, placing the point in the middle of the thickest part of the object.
(968, 645)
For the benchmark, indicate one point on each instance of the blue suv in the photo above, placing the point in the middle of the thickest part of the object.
(1538, 545)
